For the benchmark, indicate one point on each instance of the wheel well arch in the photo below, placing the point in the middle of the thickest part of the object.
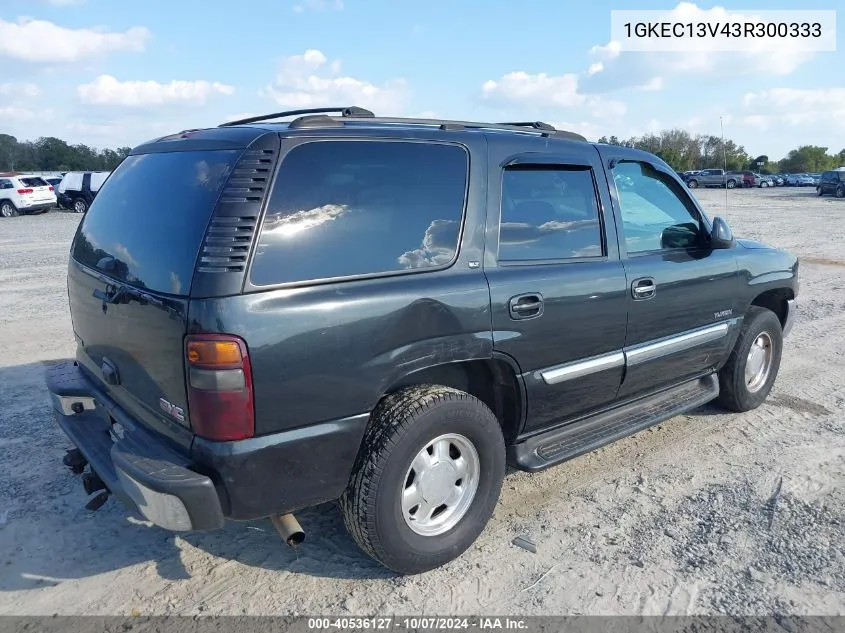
(493, 381)
(776, 301)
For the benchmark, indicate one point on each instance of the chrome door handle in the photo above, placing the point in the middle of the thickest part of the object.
(643, 289)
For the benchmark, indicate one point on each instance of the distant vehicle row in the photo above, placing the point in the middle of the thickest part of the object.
(731, 179)
(30, 193)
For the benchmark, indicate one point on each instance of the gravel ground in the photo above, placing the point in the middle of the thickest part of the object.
(706, 513)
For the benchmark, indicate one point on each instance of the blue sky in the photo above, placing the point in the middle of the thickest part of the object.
(109, 72)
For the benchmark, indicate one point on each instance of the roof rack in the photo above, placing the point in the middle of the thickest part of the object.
(348, 111)
(544, 129)
(318, 117)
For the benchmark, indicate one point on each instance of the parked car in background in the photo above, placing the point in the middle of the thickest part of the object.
(832, 183)
(78, 189)
(25, 193)
(777, 180)
(714, 178)
(749, 178)
(816, 178)
(764, 181)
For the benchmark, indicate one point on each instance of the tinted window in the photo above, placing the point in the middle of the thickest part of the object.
(147, 222)
(343, 208)
(549, 213)
(6, 184)
(656, 212)
(34, 182)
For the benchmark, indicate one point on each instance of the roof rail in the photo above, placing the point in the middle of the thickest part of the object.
(537, 125)
(544, 129)
(348, 111)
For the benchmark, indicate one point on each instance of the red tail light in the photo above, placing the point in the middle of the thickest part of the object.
(23, 191)
(220, 396)
(51, 187)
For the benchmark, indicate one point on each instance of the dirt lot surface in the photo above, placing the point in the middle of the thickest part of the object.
(706, 513)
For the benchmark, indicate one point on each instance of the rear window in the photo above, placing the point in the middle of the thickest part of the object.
(148, 220)
(347, 208)
(34, 182)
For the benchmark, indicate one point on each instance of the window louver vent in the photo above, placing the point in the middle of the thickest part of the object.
(228, 239)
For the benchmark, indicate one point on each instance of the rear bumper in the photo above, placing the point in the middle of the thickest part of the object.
(247, 479)
(137, 466)
(40, 206)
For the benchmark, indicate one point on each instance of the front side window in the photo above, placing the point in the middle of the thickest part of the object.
(549, 212)
(656, 213)
(348, 208)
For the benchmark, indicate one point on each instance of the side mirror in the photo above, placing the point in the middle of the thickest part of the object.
(721, 235)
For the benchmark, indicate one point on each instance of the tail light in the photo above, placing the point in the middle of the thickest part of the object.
(23, 191)
(220, 395)
(51, 187)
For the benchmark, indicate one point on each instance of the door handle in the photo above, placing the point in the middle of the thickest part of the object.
(527, 306)
(643, 289)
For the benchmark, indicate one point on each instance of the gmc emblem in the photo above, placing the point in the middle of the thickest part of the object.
(172, 410)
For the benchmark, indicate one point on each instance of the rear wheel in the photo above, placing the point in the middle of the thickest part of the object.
(840, 191)
(692, 184)
(747, 378)
(80, 206)
(427, 478)
(7, 209)
(731, 184)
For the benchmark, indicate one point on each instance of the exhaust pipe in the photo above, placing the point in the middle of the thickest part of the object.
(288, 528)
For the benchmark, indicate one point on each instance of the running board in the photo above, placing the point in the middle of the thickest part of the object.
(560, 444)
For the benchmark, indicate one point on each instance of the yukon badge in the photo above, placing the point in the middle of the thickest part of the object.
(722, 314)
(172, 410)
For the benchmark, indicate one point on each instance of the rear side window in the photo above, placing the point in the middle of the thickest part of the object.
(34, 182)
(348, 208)
(549, 213)
(147, 223)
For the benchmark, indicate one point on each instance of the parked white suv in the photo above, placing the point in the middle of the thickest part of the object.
(25, 193)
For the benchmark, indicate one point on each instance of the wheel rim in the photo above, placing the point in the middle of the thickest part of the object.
(79, 206)
(440, 485)
(731, 184)
(6, 211)
(758, 364)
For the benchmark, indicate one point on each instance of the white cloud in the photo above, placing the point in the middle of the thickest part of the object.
(318, 5)
(19, 114)
(818, 107)
(20, 90)
(628, 69)
(546, 91)
(106, 90)
(47, 43)
(309, 80)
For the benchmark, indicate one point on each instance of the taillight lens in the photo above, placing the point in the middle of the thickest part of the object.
(220, 395)
(23, 191)
(51, 187)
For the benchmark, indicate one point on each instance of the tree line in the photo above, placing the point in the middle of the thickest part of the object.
(685, 152)
(679, 148)
(52, 154)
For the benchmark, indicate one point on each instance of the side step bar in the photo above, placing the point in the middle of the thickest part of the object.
(558, 445)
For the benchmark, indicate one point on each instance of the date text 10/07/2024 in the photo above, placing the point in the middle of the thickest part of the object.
(417, 623)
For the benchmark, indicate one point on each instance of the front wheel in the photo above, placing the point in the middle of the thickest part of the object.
(692, 184)
(80, 206)
(747, 378)
(427, 478)
(731, 184)
(840, 191)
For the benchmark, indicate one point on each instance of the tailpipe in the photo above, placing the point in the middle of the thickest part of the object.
(288, 528)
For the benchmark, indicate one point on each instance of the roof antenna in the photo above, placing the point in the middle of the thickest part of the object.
(725, 160)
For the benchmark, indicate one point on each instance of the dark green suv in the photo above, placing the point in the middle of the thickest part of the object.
(832, 182)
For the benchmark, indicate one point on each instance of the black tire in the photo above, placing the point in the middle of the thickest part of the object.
(692, 184)
(733, 390)
(840, 191)
(731, 184)
(400, 427)
(80, 205)
(7, 209)
(819, 191)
